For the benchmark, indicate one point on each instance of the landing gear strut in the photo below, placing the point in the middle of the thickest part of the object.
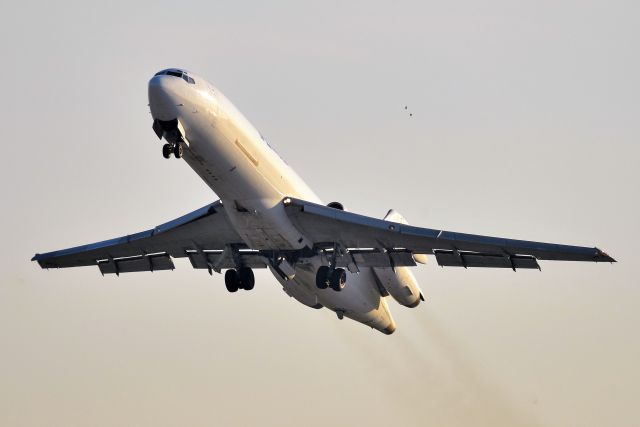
(330, 275)
(336, 278)
(242, 278)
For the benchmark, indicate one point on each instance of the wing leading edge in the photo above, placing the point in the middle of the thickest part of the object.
(324, 225)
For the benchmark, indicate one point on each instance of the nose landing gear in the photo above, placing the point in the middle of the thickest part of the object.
(173, 132)
(166, 151)
(176, 149)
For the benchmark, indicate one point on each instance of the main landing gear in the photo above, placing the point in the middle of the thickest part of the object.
(241, 278)
(334, 278)
(175, 149)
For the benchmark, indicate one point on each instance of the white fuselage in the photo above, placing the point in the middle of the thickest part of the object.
(251, 179)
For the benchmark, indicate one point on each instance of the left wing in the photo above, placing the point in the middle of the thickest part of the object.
(204, 236)
(372, 242)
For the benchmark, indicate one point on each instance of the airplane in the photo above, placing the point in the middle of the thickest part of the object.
(267, 217)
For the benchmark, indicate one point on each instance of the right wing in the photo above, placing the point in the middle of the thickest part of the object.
(372, 242)
(205, 236)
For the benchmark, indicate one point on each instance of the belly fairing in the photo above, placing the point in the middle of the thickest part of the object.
(360, 300)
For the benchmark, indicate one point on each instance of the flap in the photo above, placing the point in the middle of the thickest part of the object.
(473, 259)
(154, 262)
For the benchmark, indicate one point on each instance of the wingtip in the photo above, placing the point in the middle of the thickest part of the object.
(41, 262)
(602, 256)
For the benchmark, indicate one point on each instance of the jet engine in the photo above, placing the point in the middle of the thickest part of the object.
(401, 285)
(400, 282)
(394, 216)
(336, 205)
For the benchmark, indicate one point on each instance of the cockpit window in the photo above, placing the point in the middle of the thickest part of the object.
(177, 73)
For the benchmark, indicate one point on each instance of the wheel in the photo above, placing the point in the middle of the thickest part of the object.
(247, 279)
(178, 150)
(338, 279)
(231, 280)
(322, 277)
(166, 151)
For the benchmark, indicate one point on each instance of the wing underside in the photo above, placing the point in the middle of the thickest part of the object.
(204, 236)
(388, 241)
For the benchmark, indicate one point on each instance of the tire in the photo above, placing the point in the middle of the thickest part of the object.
(338, 279)
(178, 150)
(247, 279)
(166, 151)
(231, 280)
(322, 275)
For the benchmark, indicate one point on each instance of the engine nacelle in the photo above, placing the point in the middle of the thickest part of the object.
(401, 285)
(400, 282)
(394, 216)
(336, 205)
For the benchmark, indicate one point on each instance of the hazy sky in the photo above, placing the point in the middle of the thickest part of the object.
(526, 124)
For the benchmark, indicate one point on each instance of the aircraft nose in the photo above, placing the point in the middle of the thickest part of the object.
(163, 97)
